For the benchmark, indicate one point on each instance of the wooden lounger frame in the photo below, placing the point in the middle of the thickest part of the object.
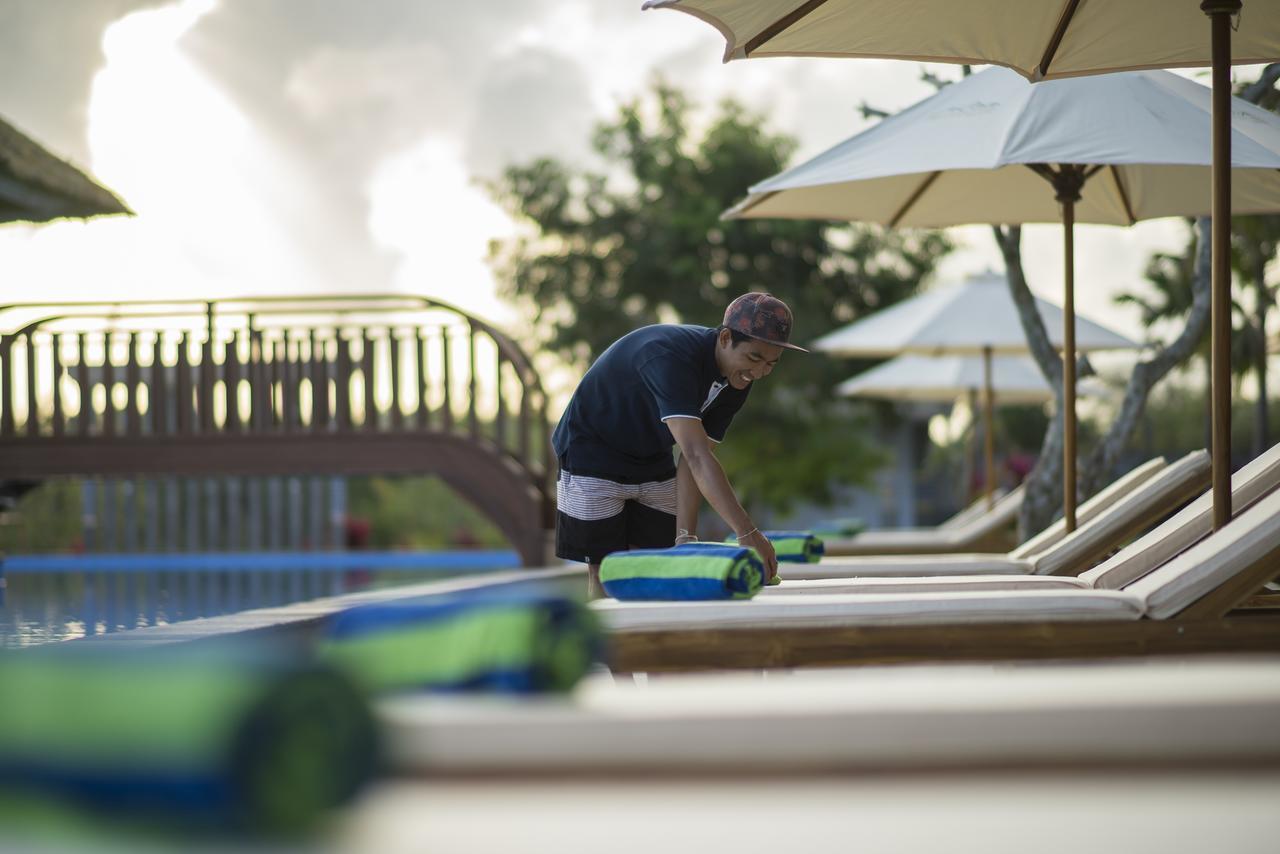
(1202, 627)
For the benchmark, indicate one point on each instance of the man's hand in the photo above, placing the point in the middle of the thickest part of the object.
(764, 548)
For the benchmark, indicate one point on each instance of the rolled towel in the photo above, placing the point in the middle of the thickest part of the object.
(795, 546)
(690, 571)
(184, 740)
(506, 642)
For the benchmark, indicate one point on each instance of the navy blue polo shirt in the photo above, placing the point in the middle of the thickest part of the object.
(613, 427)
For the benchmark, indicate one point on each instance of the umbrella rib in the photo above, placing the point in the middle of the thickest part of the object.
(747, 204)
(1124, 196)
(779, 25)
(1068, 13)
(915, 197)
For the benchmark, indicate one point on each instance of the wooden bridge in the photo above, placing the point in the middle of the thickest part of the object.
(334, 385)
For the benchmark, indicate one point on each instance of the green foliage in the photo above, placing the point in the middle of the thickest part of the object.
(642, 242)
(418, 513)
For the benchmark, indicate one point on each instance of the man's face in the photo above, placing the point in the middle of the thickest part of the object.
(742, 364)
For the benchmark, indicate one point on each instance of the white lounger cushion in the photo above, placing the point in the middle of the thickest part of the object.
(868, 716)
(1172, 483)
(873, 610)
(1208, 564)
(937, 584)
(1095, 506)
(1192, 523)
(1003, 513)
(906, 566)
(1124, 505)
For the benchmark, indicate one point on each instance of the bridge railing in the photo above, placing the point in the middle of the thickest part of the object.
(244, 367)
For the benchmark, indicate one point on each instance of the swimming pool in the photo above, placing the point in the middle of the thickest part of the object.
(63, 597)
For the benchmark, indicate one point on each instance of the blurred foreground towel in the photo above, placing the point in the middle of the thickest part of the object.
(690, 571)
(477, 641)
(850, 527)
(795, 546)
(180, 739)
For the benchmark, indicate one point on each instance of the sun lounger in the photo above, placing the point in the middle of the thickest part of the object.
(988, 531)
(1195, 521)
(1178, 606)
(971, 511)
(953, 716)
(1122, 511)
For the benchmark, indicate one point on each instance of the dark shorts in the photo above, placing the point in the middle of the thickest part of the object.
(596, 517)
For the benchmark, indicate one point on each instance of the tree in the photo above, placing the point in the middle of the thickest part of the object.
(1043, 497)
(642, 242)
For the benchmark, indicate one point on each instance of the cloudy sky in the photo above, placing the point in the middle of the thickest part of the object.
(288, 146)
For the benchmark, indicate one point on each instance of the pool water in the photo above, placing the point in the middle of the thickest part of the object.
(47, 600)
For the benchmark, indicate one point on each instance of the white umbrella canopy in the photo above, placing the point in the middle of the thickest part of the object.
(1040, 39)
(976, 316)
(1043, 39)
(971, 317)
(1126, 147)
(1014, 379)
(1145, 132)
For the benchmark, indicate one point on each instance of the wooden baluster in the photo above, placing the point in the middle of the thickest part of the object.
(108, 381)
(86, 392)
(231, 380)
(473, 416)
(6, 385)
(207, 378)
(446, 407)
(342, 381)
(366, 365)
(319, 385)
(259, 392)
(158, 397)
(394, 352)
(420, 359)
(33, 409)
(182, 387)
(59, 418)
(133, 418)
(280, 375)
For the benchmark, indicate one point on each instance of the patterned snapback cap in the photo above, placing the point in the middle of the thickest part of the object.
(763, 317)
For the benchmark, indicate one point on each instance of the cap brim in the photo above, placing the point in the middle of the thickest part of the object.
(781, 344)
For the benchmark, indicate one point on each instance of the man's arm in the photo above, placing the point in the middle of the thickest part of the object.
(709, 477)
(688, 499)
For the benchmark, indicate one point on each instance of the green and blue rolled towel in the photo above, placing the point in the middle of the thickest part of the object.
(503, 642)
(693, 571)
(794, 546)
(182, 740)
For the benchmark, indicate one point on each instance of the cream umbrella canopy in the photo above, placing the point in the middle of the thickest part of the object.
(1014, 379)
(1041, 39)
(1124, 147)
(975, 317)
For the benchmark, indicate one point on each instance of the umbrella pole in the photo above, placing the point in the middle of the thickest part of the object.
(988, 427)
(1220, 12)
(1068, 197)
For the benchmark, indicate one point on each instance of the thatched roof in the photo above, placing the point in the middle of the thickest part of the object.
(36, 186)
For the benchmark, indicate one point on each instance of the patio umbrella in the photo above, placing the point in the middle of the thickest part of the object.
(975, 317)
(1105, 149)
(36, 186)
(914, 378)
(1041, 39)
